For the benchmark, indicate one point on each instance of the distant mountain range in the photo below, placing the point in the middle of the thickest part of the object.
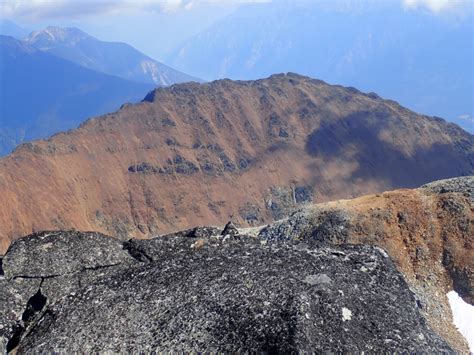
(422, 61)
(55, 78)
(9, 28)
(42, 94)
(250, 151)
(113, 58)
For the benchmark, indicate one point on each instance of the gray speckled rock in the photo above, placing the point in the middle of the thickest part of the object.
(229, 295)
(49, 254)
(463, 185)
(288, 228)
(14, 296)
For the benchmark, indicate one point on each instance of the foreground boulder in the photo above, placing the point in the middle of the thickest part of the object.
(428, 233)
(49, 254)
(220, 293)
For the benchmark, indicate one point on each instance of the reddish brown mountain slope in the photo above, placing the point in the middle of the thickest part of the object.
(203, 153)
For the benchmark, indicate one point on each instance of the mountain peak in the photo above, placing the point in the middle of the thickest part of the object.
(53, 34)
(113, 58)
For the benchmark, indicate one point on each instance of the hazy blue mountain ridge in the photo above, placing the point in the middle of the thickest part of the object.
(42, 94)
(113, 58)
(9, 28)
(421, 60)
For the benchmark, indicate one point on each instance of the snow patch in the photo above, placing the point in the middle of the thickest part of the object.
(150, 68)
(463, 317)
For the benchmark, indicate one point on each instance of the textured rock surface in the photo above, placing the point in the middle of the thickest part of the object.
(49, 254)
(428, 232)
(220, 293)
(463, 185)
(201, 154)
(14, 296)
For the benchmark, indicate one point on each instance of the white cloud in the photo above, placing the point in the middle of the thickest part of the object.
(75, 8)
(437, 6)
(43, 9)
(467, 118)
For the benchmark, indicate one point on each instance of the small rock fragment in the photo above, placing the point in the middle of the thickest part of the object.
(346, 314)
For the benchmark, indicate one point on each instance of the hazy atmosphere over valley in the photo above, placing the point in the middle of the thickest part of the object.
(234, 176)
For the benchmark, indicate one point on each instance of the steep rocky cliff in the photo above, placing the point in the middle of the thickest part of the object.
(203, 153)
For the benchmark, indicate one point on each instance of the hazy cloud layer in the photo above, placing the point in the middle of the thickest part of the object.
(50, 9)
(42, 9)
(468, 118)
(437, 6)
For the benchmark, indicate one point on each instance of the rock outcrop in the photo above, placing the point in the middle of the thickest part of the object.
(200, 154)
(428, 232)
(49, 254)
(205, 290)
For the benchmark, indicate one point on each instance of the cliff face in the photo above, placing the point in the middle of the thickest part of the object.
(202, 153)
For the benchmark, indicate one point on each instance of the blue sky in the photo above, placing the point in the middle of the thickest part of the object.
(156, 27)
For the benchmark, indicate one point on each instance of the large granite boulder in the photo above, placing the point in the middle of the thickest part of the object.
(221, 293)
(48, 254)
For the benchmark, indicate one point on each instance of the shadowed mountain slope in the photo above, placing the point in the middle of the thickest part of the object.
(200, 153)
(41, 94)
(9, 28)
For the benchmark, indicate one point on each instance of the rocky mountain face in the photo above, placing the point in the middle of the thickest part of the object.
(41, 94)
(113, 58)
(201, 153)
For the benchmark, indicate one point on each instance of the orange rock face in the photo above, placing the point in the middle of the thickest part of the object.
(198, 154)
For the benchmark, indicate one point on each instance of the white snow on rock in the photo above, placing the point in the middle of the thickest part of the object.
(463, 317)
